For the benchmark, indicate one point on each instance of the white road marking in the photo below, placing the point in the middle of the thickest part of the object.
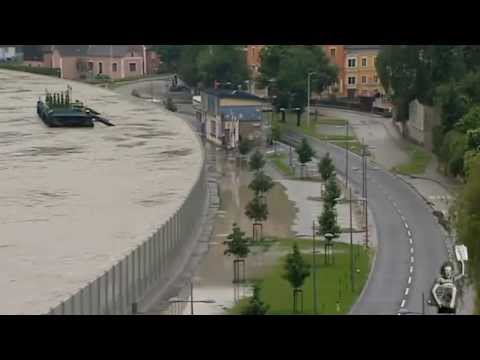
(411, 269)
(412, 259)
(407, 291)
(412, 250)
(406, 226)
(409, 280)
(394, 204)
(409, 233)
(411, 241)
(403, 304)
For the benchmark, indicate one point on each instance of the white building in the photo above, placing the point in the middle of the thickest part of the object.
(7, 53)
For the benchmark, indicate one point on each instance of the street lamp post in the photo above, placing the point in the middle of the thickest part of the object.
(352, 274)
(315, 310)
(309, 77)
(191, 301)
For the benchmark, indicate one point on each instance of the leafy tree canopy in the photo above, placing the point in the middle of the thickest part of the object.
(257, 210)
(297, 270)
(237, 243)
(261, 183)
(285, 68)
(255, 306)
(305, 152)
(326, 167)
(257, 161)
(328, 221)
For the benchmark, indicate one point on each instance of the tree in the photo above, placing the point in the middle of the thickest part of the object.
(257, 161)
(305, 153)
(467, 221)
(188, 65)
(332, 192)
(297, 270)
(245, 146)
(237, 245)
(276, 135)
(261, 184)
(289, 66)
(170, 54)
(328, 221)
(255, 306)
(257, 211)
(326, 167)
(223, 63)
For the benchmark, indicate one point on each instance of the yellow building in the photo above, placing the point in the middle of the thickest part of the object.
(361, 78)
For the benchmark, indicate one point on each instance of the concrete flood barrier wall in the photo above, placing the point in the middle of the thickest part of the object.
(114, 292)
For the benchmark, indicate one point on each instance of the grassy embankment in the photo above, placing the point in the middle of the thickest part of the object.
(417, 163)
(333, 282)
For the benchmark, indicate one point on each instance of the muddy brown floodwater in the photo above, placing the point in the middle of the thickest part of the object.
(213, 278)
(73, 202)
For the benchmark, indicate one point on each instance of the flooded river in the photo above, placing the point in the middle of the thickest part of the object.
(75, 201)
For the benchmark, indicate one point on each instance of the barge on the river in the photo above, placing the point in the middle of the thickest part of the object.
(58, 111)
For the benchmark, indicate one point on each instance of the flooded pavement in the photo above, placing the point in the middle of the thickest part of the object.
(75, 201)
(213, 278)
(292, 211)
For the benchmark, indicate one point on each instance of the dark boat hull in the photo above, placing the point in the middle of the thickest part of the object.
(72, 120)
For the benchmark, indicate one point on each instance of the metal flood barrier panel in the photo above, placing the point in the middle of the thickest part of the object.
(114, 292)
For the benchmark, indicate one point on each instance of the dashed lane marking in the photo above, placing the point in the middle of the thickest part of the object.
(407, 291)
(412, 259)
(403, 303)
(411, 269)
(409, 280)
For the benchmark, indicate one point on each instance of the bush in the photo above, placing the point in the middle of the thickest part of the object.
(32, 70)
(170, 105)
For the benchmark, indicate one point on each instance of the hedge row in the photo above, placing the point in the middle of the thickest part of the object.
(31, 69)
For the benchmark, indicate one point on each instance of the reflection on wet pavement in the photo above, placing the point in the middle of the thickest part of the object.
(215, 274)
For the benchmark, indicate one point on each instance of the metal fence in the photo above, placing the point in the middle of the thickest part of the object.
(114, 292)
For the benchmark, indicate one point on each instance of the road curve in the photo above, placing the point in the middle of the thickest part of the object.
(411, 243)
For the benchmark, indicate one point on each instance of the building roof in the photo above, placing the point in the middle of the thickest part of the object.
(363, 47)
(72, 50)
(112, 50)
(95, 50)
(232, 94)
(33, 52)
(241, 113)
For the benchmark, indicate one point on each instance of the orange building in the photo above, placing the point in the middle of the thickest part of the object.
(253, 58)
(337, 55)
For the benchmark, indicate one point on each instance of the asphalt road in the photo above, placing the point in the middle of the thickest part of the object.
(411, 243)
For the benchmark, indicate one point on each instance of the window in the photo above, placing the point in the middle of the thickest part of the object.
(352, 62)
(213, 128)
(364, 79)
(333, 52)
(100, 68)
(364, 62)
(352, 80)
(90, 66)
(114, 67)
(133, 67)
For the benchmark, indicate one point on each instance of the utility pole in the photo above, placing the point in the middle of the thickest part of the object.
(315, 310)
(309, 95)
(352, 270)
(365, 189)
(191, 298)
(347, 150)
